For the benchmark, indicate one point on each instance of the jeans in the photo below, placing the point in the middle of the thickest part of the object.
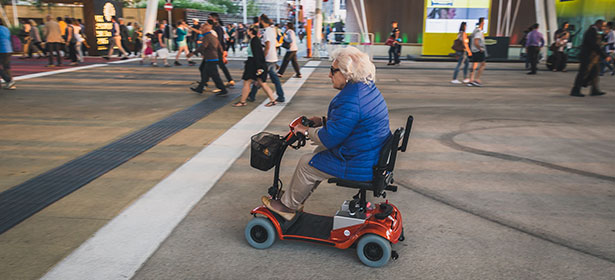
(463, 58)
(276, 80)
(394, 51)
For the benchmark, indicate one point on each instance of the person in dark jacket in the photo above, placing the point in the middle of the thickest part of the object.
(255, 70)
(589, 56)
(209, 49)
(220, 32)
(350, 142)
(125, 36)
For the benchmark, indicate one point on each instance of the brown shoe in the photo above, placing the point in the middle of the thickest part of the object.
(286, 215)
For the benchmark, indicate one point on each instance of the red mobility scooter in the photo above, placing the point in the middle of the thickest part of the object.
(371, 227)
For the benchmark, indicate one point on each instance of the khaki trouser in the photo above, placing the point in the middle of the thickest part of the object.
(305, 180)
(116, 41)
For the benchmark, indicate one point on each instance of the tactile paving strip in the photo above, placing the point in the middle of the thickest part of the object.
(27, 198)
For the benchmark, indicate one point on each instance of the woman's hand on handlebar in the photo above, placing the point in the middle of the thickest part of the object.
(300, 129)
(317, 121)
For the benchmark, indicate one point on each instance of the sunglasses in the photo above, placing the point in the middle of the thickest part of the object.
(333, 70)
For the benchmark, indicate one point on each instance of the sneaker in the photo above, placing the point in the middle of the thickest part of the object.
(177, 63)
(73, 63)
(230, 84)
(124, 58)
(197, 90)
(455, 81)
(531, 73)
(298, 76)
(154, 64)
(10, 85)
(219, 92)
(50, 65)
(191, 63)
(476, 84)
(465, 81)
(279, 75)
(167, 65)
(390, 63)
(469, 84)
(280, 100)
(251, 99)
(105, 57)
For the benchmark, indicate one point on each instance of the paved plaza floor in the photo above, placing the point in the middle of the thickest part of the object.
(514, 180)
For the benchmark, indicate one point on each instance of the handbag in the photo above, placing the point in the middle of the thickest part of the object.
(286, 45)
(389, 41)
(458, 45)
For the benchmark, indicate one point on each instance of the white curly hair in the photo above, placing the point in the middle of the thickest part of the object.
(354, 65)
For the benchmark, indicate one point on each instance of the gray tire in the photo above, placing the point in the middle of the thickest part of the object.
(374, 250)
(260, 233)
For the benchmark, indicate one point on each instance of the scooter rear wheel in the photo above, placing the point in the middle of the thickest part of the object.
(260, 233)
(374, 250)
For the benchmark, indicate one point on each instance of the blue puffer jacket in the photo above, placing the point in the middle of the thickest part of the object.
(357, 126)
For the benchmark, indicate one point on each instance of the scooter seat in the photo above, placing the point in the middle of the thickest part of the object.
(352, 184)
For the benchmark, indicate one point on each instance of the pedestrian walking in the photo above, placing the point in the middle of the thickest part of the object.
(241, 36)
(254, 70)
(125, 36)
(479, 53)
(159, 46)
(535, 41)
(24, 34)
(290, 43)
(209, 49)
(220, 33)
(35, 41)
(194, 34)
(271, 58)
(231, 33)
(137, 36)
(115, 40)
(395, 45)
(182, 44)
(463, 52)
(53, 40)
(6, 50)
(71, 41)
(589, 56)
(609, 49)
(559, 58)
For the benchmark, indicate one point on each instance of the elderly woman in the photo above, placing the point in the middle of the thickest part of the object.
(349, 142)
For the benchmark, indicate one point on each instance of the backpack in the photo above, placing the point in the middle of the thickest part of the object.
(16, 43)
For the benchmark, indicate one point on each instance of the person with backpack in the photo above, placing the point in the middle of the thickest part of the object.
(6, 50)
(116, 39)
(463, 51)
(290, 44)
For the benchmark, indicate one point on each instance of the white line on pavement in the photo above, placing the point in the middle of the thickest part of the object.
(72, 69)
(42, 74)
(121, 247)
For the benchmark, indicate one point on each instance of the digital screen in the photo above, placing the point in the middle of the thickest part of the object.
(445, 16)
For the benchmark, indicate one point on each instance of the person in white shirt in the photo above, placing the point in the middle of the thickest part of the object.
(271, 58)
(290, 40)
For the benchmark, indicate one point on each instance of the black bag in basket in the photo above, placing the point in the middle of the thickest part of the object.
(264, 150)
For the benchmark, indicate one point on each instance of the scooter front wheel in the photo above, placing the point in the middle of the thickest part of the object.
(260, 233)
(374, 250)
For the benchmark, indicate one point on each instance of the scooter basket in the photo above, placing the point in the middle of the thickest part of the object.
(264, 150)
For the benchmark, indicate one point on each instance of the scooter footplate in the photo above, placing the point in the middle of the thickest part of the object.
(308, 225)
